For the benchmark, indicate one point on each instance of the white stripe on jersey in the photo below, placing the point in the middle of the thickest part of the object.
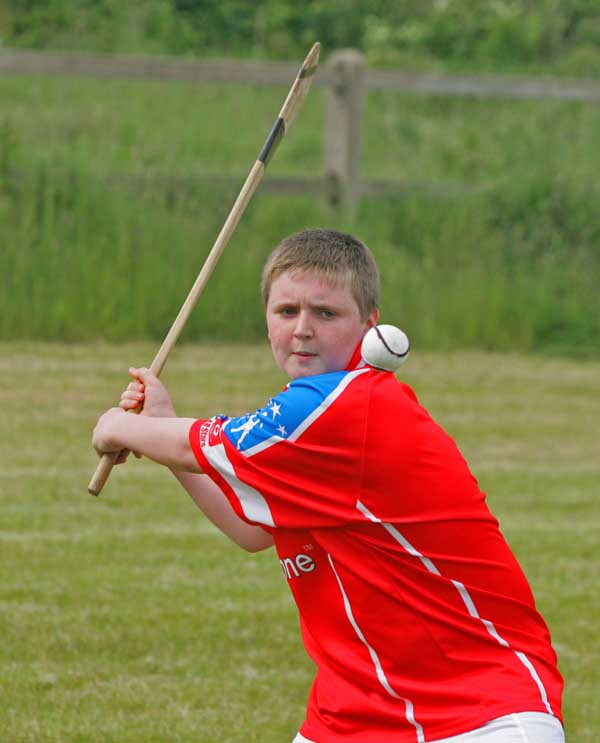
(327, 402)
(399, 538)
(309, 420)
(262, 445)
(466, 598)
(253, 503)
(301, 739)
(410, 715)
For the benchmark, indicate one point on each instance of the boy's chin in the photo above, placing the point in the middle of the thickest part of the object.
(295, 368)
(309, 367)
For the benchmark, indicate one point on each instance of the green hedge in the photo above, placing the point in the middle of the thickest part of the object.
(87, 252)
(500, 35)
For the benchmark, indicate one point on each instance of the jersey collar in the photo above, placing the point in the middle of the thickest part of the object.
(356, 361)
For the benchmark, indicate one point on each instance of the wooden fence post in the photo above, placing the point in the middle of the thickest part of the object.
(343, 122)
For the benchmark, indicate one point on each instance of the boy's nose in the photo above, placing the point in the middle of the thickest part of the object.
(303, 327)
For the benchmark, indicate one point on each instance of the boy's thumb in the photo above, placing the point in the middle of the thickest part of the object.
(142, 373)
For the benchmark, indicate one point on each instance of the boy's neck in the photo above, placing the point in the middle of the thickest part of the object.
(356, 360)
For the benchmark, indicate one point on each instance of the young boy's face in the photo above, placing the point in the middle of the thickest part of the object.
(314, 326)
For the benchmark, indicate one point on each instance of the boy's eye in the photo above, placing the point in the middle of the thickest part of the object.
(326, 314)
(288, 311)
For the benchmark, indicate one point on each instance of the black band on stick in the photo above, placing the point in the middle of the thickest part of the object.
(307, 72)
(273, 140)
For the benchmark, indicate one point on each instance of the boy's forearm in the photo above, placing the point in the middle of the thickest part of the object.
(165, 440)
(215, 506)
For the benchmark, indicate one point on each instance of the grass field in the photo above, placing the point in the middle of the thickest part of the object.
(128, 619)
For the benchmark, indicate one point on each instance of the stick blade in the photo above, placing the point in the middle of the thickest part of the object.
(301, 86)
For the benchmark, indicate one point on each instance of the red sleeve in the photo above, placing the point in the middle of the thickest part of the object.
(300, 468)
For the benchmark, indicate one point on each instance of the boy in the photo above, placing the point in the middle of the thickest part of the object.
(412, 606)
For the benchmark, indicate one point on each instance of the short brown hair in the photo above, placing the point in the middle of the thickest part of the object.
(339, 257)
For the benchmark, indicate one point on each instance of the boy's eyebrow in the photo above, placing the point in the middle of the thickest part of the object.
(317, 304)
(282, 302)
(325, 306)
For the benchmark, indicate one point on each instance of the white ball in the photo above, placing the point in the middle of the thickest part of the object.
(385, 347)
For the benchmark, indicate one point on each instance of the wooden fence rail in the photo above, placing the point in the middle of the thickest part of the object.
(251, 72)
(346, 79)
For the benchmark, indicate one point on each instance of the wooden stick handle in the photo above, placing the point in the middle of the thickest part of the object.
(248, 189)
(107, 461)
(288, 112)
(103, 470)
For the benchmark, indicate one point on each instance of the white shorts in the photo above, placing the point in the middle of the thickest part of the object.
(520, 727)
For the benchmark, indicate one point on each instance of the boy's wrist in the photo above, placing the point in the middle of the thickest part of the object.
(106, 433)
(162, 411)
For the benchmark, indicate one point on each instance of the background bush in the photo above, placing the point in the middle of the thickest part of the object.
(507, 34)
(103, 227)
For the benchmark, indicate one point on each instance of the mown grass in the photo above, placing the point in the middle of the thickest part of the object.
(128, 619)
(89, 253)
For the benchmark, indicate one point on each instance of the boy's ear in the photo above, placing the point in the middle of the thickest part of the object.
(373, 318)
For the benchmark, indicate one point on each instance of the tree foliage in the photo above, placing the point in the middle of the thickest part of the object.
(563, 34)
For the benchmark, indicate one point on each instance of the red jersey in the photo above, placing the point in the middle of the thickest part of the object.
(419, 619)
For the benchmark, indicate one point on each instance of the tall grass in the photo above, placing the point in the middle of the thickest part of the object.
(87, 252)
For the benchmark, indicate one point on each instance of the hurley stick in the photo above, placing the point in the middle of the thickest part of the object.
(287, 114)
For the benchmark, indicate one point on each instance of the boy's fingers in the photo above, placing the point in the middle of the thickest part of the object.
(142, 374)
(132, 395)
(122, 456)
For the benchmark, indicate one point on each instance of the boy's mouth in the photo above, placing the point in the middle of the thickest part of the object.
(303, 354)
